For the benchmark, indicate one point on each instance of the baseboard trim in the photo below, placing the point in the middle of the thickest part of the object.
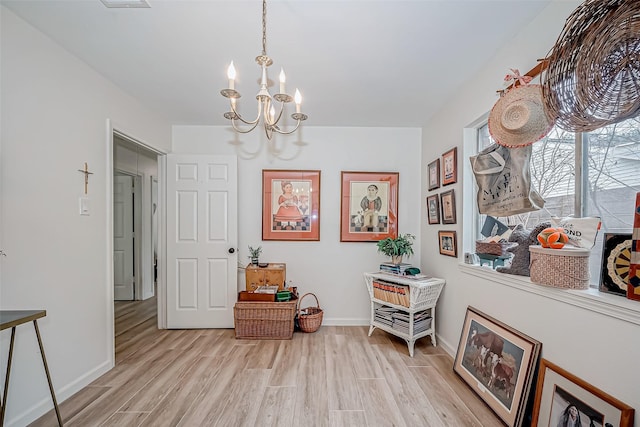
(62, 394)
(345, 322)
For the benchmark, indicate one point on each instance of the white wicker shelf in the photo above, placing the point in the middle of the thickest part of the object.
(423, 295)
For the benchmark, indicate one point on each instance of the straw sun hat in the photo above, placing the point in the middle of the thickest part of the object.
(518, 118)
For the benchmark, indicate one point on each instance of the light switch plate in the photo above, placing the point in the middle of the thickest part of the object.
(84, 206)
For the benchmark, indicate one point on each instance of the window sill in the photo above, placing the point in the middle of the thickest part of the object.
(591, 299)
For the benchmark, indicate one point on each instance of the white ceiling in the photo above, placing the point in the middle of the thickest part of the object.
(356, 62)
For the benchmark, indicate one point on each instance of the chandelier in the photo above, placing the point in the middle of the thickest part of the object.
(266, 107)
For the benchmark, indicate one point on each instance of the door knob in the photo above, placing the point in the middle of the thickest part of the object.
(231, 250)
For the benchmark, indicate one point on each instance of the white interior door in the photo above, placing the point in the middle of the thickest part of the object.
(123, 279)
(202, 230)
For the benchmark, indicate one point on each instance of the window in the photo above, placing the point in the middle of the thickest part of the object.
(609, 166)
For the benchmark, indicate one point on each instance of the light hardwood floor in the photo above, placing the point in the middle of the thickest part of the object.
(337, 376)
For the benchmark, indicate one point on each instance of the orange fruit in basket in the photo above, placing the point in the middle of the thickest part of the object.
(553, 238)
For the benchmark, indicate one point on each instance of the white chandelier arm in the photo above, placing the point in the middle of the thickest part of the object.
(239, 117)
(239, 130)
(288, 132)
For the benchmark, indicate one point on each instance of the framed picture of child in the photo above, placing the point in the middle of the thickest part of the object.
(290, 205)
(450, 167)
(369, 206)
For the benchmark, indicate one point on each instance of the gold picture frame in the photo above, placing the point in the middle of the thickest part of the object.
(290, 204)
(369, 206)
(558, 391)
(447, 243)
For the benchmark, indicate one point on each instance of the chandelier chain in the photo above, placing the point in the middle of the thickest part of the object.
(264, 27)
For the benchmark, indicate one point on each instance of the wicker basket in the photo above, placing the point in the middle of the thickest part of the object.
(264, 320)
(493, 248)
(310, 318)
(591, 80)
(561, 268)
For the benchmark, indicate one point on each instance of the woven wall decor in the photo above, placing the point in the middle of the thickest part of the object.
(593, 76)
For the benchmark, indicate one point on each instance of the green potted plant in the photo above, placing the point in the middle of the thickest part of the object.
(254, 254)
(396, 248)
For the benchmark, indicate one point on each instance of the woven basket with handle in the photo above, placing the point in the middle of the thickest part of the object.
(309, 318)
(493, 248)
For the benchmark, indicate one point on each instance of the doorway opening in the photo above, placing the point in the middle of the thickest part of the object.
(136, 234)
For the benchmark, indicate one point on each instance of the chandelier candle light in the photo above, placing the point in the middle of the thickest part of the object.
(266, 109)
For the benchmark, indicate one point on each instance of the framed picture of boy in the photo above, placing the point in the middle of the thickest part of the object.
(369, 206)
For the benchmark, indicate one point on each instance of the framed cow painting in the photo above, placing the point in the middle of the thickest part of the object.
(498, 363)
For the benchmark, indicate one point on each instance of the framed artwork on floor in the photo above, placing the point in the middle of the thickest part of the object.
(450, 167)
(447, 243)
(290, 205)
(448, 203)
(369, 206)
(564, 399)
(433, 209)
(433, 175)
(498, 363)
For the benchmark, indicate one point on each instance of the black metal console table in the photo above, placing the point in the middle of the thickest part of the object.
(11, 319)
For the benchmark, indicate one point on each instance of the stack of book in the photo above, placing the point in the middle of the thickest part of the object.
(387, 267)
(421, 322)
(399, 320)
(384, 315)
(267, 289)
(391, 292)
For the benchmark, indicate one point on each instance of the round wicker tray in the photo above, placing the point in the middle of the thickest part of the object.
(593, 76)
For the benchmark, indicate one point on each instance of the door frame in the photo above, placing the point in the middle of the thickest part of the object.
(111, 130)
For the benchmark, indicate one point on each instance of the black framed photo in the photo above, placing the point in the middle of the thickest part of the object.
(616, 263)
(448, 203)
(433, 209)
(498, 363)
(433, 175)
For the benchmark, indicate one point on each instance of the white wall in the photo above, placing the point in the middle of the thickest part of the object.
(595, 347)
(54, 112)
(329, 268)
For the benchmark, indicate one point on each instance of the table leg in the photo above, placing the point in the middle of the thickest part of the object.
(46, 369)
(433, 325)
(6, 378)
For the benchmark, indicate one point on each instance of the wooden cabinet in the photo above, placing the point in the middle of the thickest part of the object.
(272, 274)
(409, 315)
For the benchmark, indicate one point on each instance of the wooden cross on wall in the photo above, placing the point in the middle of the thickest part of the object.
(86, 176)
